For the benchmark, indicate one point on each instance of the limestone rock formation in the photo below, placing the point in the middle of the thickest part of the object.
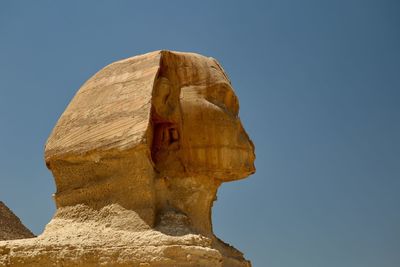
(137, 157)
(11, 226)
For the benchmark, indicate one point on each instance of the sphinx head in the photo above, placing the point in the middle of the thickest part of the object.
(196, 128)
(154, 133)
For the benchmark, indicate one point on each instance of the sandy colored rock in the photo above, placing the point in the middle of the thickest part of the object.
(137, 157)
(11, 226)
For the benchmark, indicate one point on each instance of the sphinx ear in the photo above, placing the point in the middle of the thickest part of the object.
(166, 124)
(165, 100)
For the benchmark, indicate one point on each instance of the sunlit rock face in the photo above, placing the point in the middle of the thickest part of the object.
(137, 157)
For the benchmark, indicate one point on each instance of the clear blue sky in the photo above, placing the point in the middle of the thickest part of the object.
(319, 86)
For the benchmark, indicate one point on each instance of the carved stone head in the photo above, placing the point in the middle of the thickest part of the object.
(196, 126)
(154, 133)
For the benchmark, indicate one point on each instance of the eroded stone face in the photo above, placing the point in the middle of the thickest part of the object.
(137, 157)
(197, 128)
(198, 139)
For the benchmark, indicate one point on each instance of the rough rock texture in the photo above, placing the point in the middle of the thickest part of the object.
(137, 157)
(11, 226)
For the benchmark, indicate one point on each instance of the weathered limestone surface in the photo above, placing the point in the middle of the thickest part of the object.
(11, 226)
(137, 157)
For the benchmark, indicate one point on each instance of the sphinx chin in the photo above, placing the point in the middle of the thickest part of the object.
(137, 158)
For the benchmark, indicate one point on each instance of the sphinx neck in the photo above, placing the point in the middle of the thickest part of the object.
(190, 197)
